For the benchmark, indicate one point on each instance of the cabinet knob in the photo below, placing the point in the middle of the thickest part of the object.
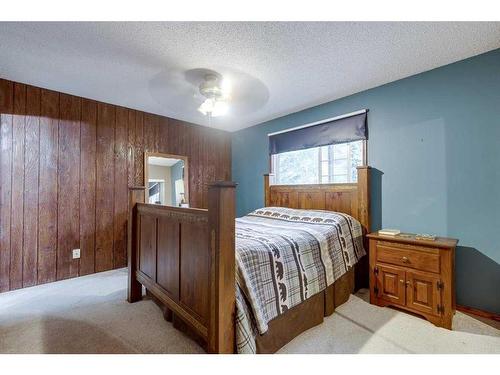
(405, 260)
(401, 281)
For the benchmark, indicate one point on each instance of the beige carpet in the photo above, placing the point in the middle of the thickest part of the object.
(90, 315)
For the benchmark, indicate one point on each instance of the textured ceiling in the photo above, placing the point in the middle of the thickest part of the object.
(275, 68)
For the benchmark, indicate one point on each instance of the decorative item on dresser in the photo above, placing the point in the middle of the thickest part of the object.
(414, 274)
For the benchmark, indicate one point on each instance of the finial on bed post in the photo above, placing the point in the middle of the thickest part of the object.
(221, 221)
(136, 195)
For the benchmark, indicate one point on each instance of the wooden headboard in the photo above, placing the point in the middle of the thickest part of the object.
(352, 199)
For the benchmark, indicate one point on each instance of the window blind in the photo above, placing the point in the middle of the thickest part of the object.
(341, 129)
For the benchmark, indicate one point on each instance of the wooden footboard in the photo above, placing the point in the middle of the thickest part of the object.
(185, 257)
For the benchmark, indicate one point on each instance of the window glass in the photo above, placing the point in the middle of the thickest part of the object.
(326, 164)
(298, 167)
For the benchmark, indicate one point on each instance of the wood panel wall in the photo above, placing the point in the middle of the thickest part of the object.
(65, 167)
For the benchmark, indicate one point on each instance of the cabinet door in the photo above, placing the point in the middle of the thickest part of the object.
(422, 292)
(391, 284)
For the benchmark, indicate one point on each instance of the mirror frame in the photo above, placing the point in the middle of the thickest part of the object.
(169, 156)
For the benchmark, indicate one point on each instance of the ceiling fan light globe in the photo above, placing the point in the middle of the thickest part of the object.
(220, 109)
(207, 106)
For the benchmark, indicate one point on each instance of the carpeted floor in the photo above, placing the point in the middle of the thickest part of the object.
(90, 315)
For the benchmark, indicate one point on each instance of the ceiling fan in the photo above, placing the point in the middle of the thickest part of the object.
(198, 94)
(216, 92)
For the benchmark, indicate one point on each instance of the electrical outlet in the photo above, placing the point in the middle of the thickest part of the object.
(76, 253)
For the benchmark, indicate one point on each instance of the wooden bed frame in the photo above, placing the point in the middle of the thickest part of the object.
(185, 258)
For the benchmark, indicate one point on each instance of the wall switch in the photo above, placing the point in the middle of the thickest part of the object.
(76, 253)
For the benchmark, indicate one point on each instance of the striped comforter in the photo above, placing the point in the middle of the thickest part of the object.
(283, 257)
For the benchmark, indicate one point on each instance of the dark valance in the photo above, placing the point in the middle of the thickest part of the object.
(339, 129)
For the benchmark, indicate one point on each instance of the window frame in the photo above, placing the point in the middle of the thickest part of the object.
(274, 172)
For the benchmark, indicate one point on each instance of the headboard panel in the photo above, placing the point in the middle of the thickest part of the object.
(352, 199)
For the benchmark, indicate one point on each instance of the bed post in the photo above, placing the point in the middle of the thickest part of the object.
(221, 221)
(134, 292)
(361, 276)
(268, 179)
(364, 196)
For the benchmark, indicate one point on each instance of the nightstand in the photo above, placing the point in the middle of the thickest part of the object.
(414, 275)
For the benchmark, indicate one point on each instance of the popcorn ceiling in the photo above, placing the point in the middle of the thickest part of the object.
(275, 68)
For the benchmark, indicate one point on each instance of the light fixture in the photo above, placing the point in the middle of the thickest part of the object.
(216, 91)
(213, 107)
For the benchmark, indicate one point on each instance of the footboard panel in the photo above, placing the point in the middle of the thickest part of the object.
(185, 259)
(174, 255)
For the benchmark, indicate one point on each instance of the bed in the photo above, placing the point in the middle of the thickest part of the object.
(252, 284)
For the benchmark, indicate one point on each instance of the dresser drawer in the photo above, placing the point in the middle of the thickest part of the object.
(413, 257)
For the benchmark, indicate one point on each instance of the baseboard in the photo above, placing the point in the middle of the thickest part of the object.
(481, 313)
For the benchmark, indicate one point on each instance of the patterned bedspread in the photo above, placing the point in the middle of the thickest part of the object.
(283, 257)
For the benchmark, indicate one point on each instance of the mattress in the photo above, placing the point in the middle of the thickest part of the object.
(285, 256)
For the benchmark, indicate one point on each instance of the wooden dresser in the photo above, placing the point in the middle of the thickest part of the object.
(414, 275)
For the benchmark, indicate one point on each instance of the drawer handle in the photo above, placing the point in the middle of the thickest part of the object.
(405, 260)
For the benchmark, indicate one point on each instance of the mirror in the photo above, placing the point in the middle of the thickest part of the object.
(166, 179)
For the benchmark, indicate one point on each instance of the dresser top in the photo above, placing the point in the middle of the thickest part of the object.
(409, 238)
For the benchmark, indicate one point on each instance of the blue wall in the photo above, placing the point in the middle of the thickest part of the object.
(434, 141)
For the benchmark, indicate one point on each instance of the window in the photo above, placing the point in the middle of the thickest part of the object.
(319, 165)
